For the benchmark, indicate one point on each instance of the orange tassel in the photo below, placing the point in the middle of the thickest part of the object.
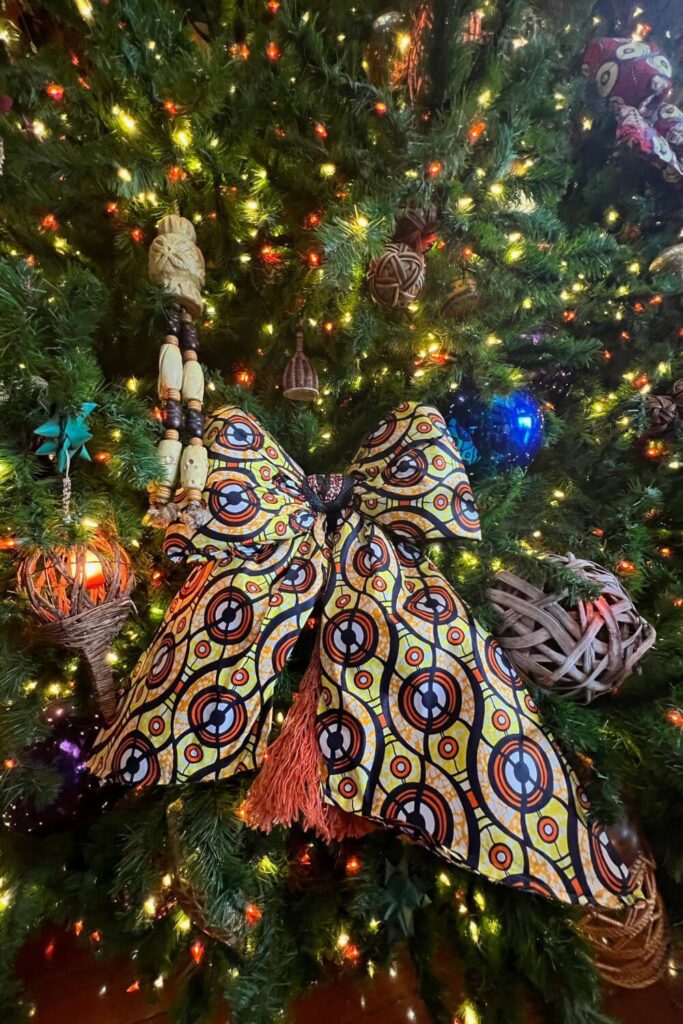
(289, 783)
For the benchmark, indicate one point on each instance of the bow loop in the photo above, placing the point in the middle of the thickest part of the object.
(254, 492)
(412, 480)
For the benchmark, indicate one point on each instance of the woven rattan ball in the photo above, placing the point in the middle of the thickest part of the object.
(463, 300)
(630, 945)
(230, 925)
(677, 395)
(578, 650)
(661, 414)
(397, 277)
(417, 228)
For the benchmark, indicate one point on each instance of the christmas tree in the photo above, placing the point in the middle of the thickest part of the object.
(420, 205)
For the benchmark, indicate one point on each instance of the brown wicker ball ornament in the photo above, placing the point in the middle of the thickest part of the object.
(231, 926)
(300, 380)
(578, 650)
(81, 594)
(630, 946)
(396, 278)
(661, 413)
(677, 395)
(417, 228)
(463, 300)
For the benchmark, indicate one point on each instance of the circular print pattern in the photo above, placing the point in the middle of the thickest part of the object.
(500, 856)
(432, 604)
(520, 773)
(350, 637)
(548, 829)
(430, 700)
(162, 661)
(135, 761)
(407, 469)
(420, 809)
(229, 616)
(497, 663)
(299, 576)
(232, 503)
(217, 716)
(341, 740)
(465, 508)
(608, 868)
(240, 433)
(381, 434)
(371, 558)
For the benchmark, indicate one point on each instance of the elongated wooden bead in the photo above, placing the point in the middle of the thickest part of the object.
(170, 370)
(193, 381)
(194, 469)
(168, 452)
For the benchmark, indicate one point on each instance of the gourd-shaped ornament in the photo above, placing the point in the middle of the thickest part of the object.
(300, 380)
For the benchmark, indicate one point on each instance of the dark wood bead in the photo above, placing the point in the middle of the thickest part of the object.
(172, 320)
(194, 422)
(188, 336)
(172, 414)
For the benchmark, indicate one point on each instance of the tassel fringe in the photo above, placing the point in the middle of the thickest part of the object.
(289, 786)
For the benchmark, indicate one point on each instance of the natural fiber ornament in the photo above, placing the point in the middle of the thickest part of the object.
(630, 946)
(417, 228)
(579, 651)
(669, 261)
(232, 928)
(677, 395)
(661, 413)
(300, 380)
(81, 593)
(463, 300)
(397, 277)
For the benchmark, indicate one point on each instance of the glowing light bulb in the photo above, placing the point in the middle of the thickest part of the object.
(89, 571)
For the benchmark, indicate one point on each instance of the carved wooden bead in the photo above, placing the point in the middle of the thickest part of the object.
(177, 263)
(172, 414)
(170, 369)
(168, 454)
(194, 422)
(193, 381)
(194, 466)
(188, 335)
(172, 318)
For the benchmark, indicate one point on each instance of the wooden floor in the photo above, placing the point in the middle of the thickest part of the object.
(70, 986)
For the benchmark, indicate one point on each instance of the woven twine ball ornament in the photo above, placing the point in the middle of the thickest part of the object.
(300, 380)
(463, 299)
(397, 277)
(677, 395)
(630, 946)
(579, 651)
(81, 594)
(232, 927)
(417, 228)
(661, 413)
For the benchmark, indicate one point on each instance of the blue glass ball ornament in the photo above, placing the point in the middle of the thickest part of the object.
(506, 432)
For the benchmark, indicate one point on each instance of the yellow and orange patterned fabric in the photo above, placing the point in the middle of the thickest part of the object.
(422, 723)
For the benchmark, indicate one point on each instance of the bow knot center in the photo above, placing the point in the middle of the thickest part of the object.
(328, 492)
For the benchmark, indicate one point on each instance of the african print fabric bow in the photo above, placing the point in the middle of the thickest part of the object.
(421, 723)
